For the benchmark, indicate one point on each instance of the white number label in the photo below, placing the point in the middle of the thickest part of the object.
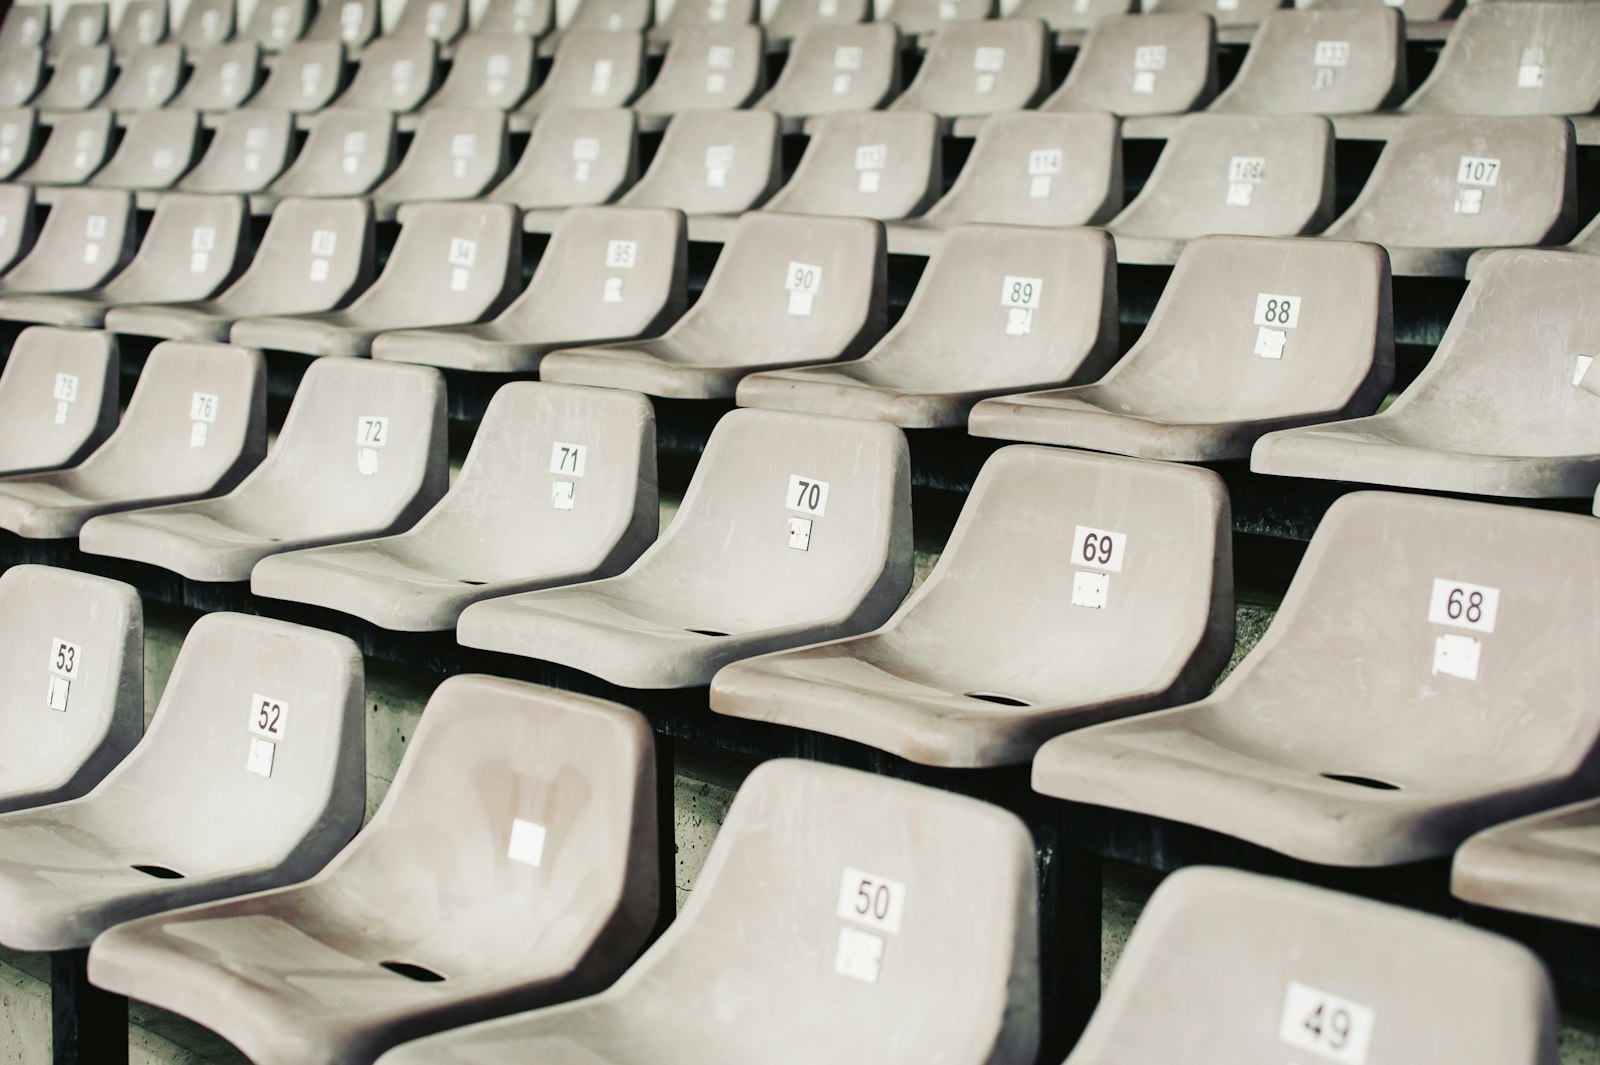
(372, 430)
(1462, 605)
(268, 717)
(1150, 57)
(807, 495)
(203, 407)
(462, 252)
(1280, 312)
(1045, 161)
(1247, 169)
(1021, 292)
(1476, 171)
(1099, 548)
(1332, 54)
(872, 156)
(872, 900)
(1325, 1024)
(66, 387)
(95, 227)
(63, 658)
(847, 58)
(622, 254)
(989, 60)
(569, 459)
(803, 281)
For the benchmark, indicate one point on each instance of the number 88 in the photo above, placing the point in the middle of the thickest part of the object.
(1278, 311)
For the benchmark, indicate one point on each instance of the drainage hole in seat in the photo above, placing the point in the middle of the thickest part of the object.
(1362, 782)
(412, 972)
(706, 632)
(996, 697)
(160, 872)
(474, 584)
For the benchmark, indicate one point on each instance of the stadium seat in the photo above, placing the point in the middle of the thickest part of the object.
(1070, 20)
(1054, 323)
(690, 15)
(148, 79)
(200, 811)
(1247, 175)
(532, 18)
(21, 75)
(82, 25)
(19, 137)
(193, 247)
(157, 148)
(456, 154)
(396, 74)
(1142, 65)
(1044, 645)
(351, 23)
(777, 939)
(1453, 721)
(572, 159)
(223, 78)
(86, 238)
(441, 21)
(1322, 61)
(834, 68)
(143, 23)
(276, 24)
(72, 721)
(1499, 409)
(58, 398)
(812, 290)
(1230, 14)
(196, 424)
(76, 147)
(247, 153)
(791, 18)
(17, 226)
(25, 26)
(602, 16)
(1026, 169)
(452, 263)
(1227, 356)
(608, 274)
(314, 256)
(525, 820)
(1255, 968)
(715, 68)
(347, 153)
(205, 24)
(685, 609)
(711, 163)
(594, 70)
(977, 68)
(387, 424)
(305, 78)
(1542, 865)
(81, 77)
(922, 17)
(1446, 186)
(503, 527)
(491, 72)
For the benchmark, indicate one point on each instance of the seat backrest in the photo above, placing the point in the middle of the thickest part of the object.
(1074, 15)
(347, 153)
(592, 69)
(708, 68)
(58, 397)
(488, 70)
(149, 77)
(396, 74)
(437, 20)
(87, 237)
(19, 135)
(915, 17)
(1271, 969)
(143, 23)
(17, 226)
(574, 157)
(699, 14)
(210, 757)
(77, 147)
(1143, 65)
(871, 164)
(25, 26)
(72, 653)
(982, 66)
(352, 23)
(312, 257)
(532, 17)
(21, 75)
(845, 67)
(274, 24)
(713, 162)
(249, 149)
(1257, 175)
(1479, 182)
(306, 76)
(791, 18)
(205, 24)
(1226, 12)
(193, 246)
(1526, 58)
(81, 77)
(1414, 10)
(458, 261)
(1326, 61)
(82, 25)
(868, 917)
(224, 77)
(1033, 168)
(456, 154)
(612, 16)
(158, 147)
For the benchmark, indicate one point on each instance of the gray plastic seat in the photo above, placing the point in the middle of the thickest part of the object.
(82, 25)
(593, 70)
(223, 79)
(195, 813)
(788, 290)
(143, 23)
(386, 422)
(77, 146)
(712, 68)
(26, 26)
(1388, 713)
(836, 68)
(1026, 169)
(157, 148)
(193, 247)
(86, 238)
(1499, 410)
(691, 15)
(572, 159)
(247, 153)
(1228, 357)
(1255, 968)
(319, 974)
(1231, 14)
(205, 24)
(72, 653)
(81, 77)
(19, 137)
(17, 227)
(979, 68)
(1054, 323)
(275, 24)
(772, 934)
(1446, 186)
(1542, 865)
(457, 154)
(1247, 175)
(21, 75)
(919, 17)
(1142, 65)
(490, 71)
(504, 527)
(350, 23)
(713, 162)
(148, 79)
(305, 78)
(791, 18)
(739, 572)
(441, 21)
(1015, 637)
(453, 263)
(347, 153)
(533, 18)
(314, 256)
(603, 16)
(195, 425)
(608, 274)
(58, 399)
(1070, 20)
(1324, 61)
(396, 74)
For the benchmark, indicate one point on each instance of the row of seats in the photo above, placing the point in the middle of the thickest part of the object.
(513, 864)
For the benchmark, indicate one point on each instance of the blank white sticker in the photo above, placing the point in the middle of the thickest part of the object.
(1280, 312)
(1249, 169)
(622, 254)
(1581, 367)
(869, 181)
(1463, 605)
(198, 261)
(1090, 589)
(1456, 655)
(319, 269)
(827, 8)
(860, 955)
(841, 84)
(871, 900)
(460, 278)
(95, 227)
(1039, 187)
(600, 80)
(1469, 201)
(1144, 82)
(1150, 57)
(59, 692)
(1475, 170)
(1331, 54)
(611, 291)
(269, 717)
(1044, 161)
(262, 754)
(1100, 548)
(203, 407)
(372, 430)
(1240, 193)
(527, 842)
(198, 433)
(63, 658)
(989, 59)
(1324, 1024)
(569, 459)
(1019, 320)
(464, 145)
(63, 408)
(1270, 343)
(807, 495)
(719, 157)
(91, 253)
(66, 388)
(800, 534)
(562, 493)
(1021, 292)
